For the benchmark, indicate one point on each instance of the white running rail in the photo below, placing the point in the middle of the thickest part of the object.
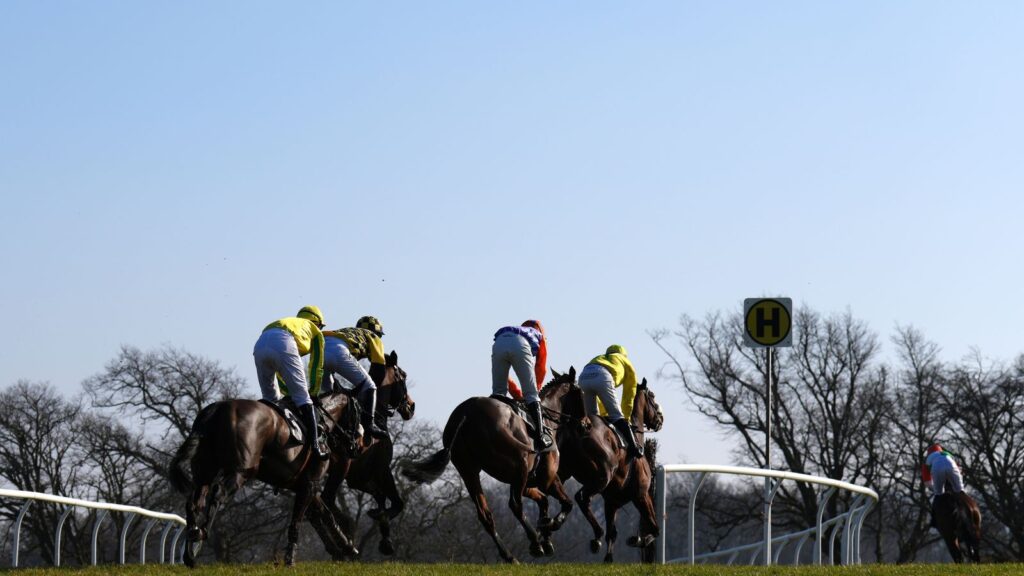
(102, 509)
(849, 522)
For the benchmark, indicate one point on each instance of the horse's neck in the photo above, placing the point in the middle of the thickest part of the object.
(636, 419)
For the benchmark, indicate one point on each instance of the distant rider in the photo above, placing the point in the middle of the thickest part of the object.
(344, 349)
(279, 350)
(938, 468)
(598, 381)
(523, 349)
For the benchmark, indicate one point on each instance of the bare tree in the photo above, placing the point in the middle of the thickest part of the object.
(167, 387)
(39, 453)
(830, 397)
(984, 405)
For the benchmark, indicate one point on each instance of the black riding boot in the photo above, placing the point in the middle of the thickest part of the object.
(308, 415)
(541, 441)
(368, 405)
(634, 449)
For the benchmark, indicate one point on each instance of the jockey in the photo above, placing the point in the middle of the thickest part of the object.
(938, 468)
(525, 350)
(344, 349)
(278, 351)
(598, 381)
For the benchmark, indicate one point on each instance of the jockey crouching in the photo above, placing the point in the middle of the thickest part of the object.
(598, 381)
(279, 350)
(523, 349)
(342, 351)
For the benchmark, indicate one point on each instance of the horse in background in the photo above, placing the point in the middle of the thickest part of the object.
(596, 459)
(958, 520)
(486, 434)
(370, 470)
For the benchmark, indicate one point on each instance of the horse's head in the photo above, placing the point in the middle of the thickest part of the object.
(650, 411)
(394, 388)
(563, 395)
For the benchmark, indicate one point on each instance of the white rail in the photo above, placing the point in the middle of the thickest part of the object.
(850, 521)
(102, 509)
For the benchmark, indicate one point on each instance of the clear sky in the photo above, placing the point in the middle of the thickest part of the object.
(187, 172)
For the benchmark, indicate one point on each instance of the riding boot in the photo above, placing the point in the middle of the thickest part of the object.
(368, 406)
(634, 449)
(308, 415)
(541, 441)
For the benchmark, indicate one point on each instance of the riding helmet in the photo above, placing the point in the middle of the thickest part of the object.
(313, 314)
(372, 324)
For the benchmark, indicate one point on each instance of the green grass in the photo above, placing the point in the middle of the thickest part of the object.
(390, 569)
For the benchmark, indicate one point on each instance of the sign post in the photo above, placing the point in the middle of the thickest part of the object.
(768, 324)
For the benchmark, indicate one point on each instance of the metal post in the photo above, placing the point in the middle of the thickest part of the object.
(142, 541)
(100, 515)
(56, 536)
(124, 535)
(819, 536)
(163, 539)
(660, 515)
(16, 543)
(768, 462)
(860, 524)
(693, 516)
(800, 546)
(174, 544)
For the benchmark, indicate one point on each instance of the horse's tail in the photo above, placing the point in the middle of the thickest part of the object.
(430, 469)
(177, 473)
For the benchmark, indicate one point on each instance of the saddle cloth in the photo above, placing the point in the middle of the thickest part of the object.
(295, 427)
(618, 435)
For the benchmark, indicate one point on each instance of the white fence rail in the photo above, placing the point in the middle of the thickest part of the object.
(848, 523)
(102, 510)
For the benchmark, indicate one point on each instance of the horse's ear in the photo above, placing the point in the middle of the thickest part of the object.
(572, 372)
(555, 374)
(643, 384)
(393, 358)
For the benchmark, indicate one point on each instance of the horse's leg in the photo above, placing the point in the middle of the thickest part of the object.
(953, 545)
(383, 521)
(476, 493)
(543, 519)
(303, 496)
(583, 497)
(322, 519)
(195, 534)
(557, 489)
(329, 497)
(648, 522)
(515, 503)
(611, 509)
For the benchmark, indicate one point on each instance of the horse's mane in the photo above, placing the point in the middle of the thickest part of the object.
(555, 383)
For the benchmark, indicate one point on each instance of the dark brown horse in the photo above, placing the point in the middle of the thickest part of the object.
(370, 470)
(598, 462)
(486, 434)
(958, 520)
(233, 441)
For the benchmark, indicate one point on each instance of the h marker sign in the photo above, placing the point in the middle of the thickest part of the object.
(768, 322)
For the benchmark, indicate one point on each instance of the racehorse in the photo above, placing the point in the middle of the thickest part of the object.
(233, 441)
(486, 434)
(370, 470)
(601, 465)
(958, 520)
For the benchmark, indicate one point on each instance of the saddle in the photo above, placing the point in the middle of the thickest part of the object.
(618, 435)
(297, 436)
(516, 407)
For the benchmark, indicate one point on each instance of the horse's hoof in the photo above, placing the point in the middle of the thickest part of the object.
(549, 548)
(647, 540)
(536, 550)
(595, 545)
(386, 547)
(558, 521)
(633, 542)
(545, 523)
(608, 559)
(512, 560)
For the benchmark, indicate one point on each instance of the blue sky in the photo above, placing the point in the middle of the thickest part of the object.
(187, 172)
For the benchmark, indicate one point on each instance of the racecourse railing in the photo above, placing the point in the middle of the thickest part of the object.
(849, 523)
(102, 510)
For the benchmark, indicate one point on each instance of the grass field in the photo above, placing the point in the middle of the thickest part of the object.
(331, 569)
